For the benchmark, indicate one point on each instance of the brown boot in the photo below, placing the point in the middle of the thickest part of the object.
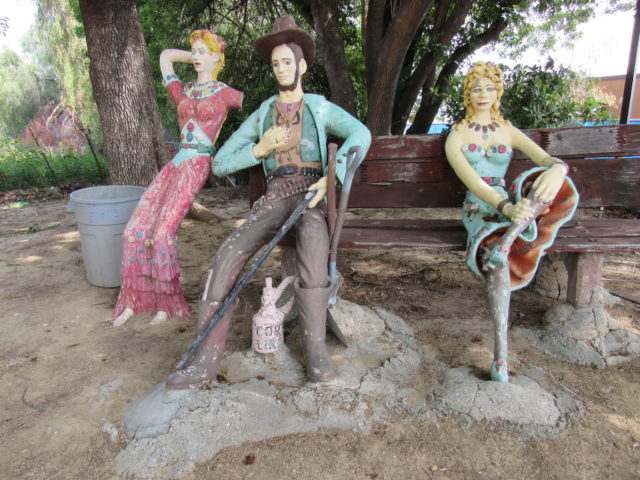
(312, 311)
(205, 364)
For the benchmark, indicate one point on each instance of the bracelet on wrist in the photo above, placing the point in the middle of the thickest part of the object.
(557, 161)
(501, 205)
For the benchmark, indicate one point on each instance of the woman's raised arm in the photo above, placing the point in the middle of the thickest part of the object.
(170, 56)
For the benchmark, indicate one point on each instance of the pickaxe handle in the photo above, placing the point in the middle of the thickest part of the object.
(354, 157)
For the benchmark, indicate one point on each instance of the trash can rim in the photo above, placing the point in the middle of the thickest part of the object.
(134, 194)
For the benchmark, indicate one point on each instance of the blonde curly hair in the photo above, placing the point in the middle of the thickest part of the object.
(492, 72)
(214, 43)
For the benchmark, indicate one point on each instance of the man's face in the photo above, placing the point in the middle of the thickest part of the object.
(285, 69)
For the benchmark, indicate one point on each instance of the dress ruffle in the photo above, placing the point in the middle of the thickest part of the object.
(531, 245)
(150, 266)
(145, 301)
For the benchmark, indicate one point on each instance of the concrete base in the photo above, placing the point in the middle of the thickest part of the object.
(532, 403)
(268, 396)
(378, 376)
(585, 336)
(551, 277)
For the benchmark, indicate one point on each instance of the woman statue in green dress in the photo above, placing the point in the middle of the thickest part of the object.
(508, 230)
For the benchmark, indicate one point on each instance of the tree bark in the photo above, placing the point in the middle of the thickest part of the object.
(331, 46)
(443, 31)
(385, 59)
(123, 90)
(430, 103)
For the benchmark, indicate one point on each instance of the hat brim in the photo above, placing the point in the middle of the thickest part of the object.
(265, 44)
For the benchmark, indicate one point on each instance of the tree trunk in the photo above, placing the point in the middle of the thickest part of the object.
(331, 45)
(123, 90)
(427, 111)
(385, 59)
(430, 102)
(445, 27)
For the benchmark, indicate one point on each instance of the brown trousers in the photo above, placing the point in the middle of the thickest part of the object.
(268, 214)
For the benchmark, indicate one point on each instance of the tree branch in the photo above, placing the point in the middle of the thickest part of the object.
(397, 40)
(374, 34)
(430, 101)
(428, 62)
(331, 45)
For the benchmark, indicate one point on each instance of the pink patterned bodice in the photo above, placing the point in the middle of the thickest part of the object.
(204, 104)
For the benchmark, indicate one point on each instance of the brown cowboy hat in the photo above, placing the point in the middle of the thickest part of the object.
(285, 30)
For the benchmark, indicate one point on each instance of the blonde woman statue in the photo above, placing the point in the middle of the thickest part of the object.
(508, 231)
(150, 267)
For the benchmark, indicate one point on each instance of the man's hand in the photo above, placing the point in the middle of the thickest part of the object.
(321, 188)
(273, 138)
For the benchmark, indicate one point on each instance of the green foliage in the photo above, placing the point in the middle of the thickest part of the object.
(23, 89)
(23, 167)
(14, 205)
(539, 97)
(544, 24)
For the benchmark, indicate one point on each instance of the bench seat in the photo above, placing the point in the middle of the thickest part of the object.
(592, 235)
(411, 171)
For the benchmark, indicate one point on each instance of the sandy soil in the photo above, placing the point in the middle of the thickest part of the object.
(67, 374)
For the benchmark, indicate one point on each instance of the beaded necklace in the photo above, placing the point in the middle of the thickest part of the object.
(197, 90)
(485, 128)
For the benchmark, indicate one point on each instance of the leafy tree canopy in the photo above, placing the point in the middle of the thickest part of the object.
(412, 48)
(23, 89)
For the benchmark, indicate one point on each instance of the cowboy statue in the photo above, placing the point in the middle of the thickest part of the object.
(288, 136)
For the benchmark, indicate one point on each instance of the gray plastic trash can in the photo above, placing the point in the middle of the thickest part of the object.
(102, 214)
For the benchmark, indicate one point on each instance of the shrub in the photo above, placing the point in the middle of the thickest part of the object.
(23, 166)
(540, 97)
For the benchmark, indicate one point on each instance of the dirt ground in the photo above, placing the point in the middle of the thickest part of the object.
(67, 374)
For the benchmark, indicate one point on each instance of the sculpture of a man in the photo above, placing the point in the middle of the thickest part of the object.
(288, 136)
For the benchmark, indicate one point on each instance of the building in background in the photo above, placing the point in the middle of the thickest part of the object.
(614, 85)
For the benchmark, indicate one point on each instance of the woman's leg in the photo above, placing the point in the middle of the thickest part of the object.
(180, 193)
(499, 285)
(136, 294)
(499, 299)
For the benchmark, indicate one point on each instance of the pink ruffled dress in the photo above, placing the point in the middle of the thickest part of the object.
(150, 266)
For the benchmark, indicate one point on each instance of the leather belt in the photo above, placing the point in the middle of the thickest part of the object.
(289, 170)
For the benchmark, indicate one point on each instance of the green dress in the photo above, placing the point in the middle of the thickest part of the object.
(485, 224)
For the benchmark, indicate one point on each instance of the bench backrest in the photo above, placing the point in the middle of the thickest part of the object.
(412, 171)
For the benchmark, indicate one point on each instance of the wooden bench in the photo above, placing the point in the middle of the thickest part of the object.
(412, 172)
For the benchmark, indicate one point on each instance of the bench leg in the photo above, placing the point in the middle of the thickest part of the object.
(580, 330)
(584, 275)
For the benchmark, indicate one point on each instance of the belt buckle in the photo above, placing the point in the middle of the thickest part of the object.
(289, 170)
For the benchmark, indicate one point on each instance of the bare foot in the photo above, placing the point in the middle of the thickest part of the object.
(159, 317)
(123, 317)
